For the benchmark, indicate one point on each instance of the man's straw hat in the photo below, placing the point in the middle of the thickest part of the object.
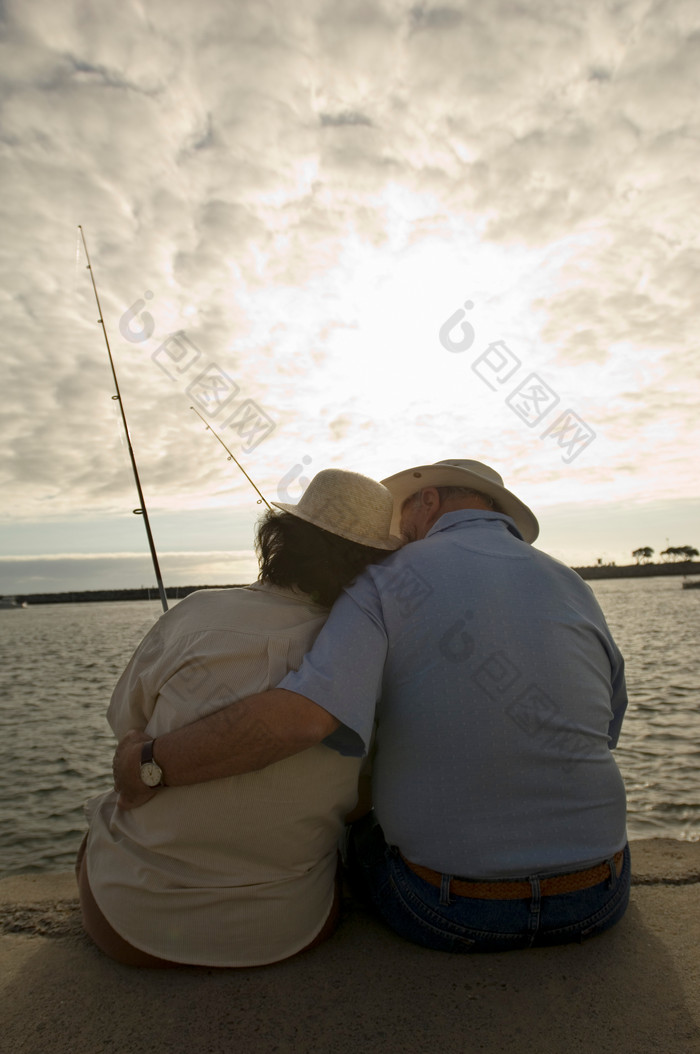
(458, 473)
(348, 504)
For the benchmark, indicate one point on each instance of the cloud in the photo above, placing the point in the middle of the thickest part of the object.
(308, 194)
(344, 120)
(71, 573)
(435, 18)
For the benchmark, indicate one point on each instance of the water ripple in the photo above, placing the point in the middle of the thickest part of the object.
(59, 664)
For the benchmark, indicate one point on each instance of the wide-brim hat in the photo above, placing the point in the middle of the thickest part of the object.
(461, 473)
(348, 504)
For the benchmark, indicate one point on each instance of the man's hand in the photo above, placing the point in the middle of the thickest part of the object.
(126, 768)
(245, 736)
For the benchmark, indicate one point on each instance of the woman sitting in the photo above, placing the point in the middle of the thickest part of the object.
(238, 871)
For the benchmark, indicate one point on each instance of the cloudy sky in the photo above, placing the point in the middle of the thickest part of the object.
(370, 235)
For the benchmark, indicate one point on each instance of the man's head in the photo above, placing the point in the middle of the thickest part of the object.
(423, 509)
(423, 494)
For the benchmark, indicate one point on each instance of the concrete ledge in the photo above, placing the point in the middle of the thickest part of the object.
(655, 861)
(635, 989)
(663, 861)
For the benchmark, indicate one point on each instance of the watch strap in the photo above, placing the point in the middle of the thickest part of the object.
(148, 759)
(147, 752)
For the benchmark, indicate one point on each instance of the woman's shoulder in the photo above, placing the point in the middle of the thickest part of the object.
(259, 607)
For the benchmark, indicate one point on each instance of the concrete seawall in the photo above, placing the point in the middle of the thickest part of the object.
(634, 989)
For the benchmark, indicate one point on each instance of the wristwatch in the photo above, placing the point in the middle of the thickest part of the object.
(151, 772)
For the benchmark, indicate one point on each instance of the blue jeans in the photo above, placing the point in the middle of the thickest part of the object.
(436, 918)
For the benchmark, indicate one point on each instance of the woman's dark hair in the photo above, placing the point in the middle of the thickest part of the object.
(293, 552)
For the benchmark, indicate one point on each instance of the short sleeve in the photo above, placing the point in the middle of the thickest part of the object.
(344, 669)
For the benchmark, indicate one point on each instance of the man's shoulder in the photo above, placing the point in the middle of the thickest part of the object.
(377, 577)
(445, 554)
(400, 579)
(559, 568)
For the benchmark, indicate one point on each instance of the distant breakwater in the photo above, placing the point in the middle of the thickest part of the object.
(96, 595)
(684, 567)
(687, 567)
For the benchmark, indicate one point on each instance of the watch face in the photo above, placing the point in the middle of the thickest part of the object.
(151, 774)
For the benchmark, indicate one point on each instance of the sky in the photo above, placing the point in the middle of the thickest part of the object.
(369, 235)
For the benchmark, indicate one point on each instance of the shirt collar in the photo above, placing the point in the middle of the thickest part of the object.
(484, 518)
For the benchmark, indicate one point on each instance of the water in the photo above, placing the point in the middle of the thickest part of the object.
(59, 664)
(656, 624)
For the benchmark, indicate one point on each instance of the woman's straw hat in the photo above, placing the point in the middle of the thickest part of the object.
(348, 504)
(459, 473)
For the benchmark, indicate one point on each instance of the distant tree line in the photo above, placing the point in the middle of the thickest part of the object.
(674, 552)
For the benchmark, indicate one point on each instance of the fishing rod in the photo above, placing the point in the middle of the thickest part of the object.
(231, 457)
(118, 398)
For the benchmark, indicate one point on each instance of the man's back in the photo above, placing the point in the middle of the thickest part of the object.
(500, 692)
(497, 687)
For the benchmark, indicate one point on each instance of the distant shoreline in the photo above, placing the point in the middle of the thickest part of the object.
(100, 595)
(599, 571)
(684, 567)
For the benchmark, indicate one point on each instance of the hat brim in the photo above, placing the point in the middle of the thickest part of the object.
(403, 484)
(390, 543)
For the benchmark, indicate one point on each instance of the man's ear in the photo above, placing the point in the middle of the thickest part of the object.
(431, 503)
(430, 499)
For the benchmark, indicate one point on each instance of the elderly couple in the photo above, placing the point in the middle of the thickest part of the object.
(477, 673)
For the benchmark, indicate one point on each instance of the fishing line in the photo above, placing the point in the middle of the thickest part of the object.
(77, 263)
(231, 457)
(141, 511)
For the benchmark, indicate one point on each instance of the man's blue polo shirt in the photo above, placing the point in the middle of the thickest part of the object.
(497, 691)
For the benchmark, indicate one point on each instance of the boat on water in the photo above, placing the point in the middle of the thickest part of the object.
(693, 583)
(12, 603)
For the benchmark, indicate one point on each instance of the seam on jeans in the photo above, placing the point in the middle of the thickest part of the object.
(441, 926)
(583, 926)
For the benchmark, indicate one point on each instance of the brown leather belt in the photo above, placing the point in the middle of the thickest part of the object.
(504, 889)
